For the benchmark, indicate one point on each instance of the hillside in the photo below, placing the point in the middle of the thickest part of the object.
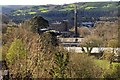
(5, 18)
(6, 9)
(60, 12)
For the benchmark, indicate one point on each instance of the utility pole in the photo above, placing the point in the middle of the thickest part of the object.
(75, 21)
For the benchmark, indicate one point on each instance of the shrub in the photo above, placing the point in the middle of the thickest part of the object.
(16, 49)
(36, 23)
(108, 56)
(39, 57)
(61, 59)
(15, 58)
(83, 66)
(113, 72)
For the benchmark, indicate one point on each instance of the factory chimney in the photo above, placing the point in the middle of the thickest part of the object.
(75, 22)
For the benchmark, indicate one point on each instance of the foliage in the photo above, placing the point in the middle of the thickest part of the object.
(16, 50)
(107, 31)
(44, 59)
(8, 37)
(49, 38)
(83, 66)
(112, 73)
(113, 43)
(108, 56)
(60, 64)
(104, 64)
(90, 42)
(36, 23)
(117, 71)
(84, 31)
(15, 56)
(39, 57)
(109, 70)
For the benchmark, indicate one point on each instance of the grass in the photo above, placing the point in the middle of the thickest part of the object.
(115, 64)
(31, 12)
(43, 10)
(71, 5)
(105, 64)
(18, 14)
(87, 8)
(68, 8)
(20, 11)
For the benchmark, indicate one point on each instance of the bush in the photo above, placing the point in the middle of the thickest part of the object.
(15, 56)
(36, 23)
(61, 60)
(16, 49)
(113, 72)
(108, 56)
(83, 66)
(40, 50)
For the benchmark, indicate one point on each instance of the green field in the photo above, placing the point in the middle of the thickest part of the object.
(32, 13)
(105, 64)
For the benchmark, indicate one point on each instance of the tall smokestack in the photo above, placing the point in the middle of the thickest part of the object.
(75, 20)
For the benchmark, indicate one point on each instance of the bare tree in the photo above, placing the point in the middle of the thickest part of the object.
(89, 43)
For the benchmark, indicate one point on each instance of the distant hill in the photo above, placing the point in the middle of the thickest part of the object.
(6, 9)
(86, 11)
(5, 18)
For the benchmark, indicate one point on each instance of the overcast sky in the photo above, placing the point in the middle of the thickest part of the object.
(44, 2)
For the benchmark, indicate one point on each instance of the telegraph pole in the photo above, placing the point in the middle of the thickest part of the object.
(75, 20)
